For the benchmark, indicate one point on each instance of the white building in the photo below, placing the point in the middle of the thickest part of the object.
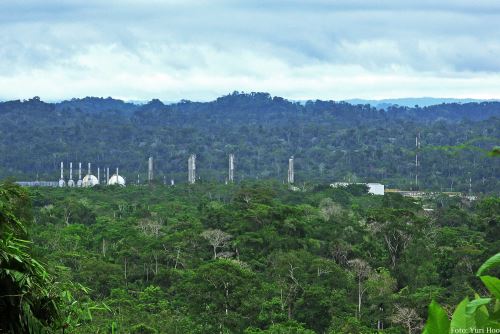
(373, 188)
(376, 188)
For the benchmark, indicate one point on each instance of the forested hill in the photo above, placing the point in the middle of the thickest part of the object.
(331, 141)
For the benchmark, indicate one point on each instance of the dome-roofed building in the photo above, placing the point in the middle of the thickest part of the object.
(89, 180)
(116, 179)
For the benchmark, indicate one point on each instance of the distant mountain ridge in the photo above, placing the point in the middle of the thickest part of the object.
(413, 101)
(377, 103)
(331, 141)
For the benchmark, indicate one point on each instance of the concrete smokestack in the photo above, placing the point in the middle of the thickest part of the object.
(291, 171)
(150, 170)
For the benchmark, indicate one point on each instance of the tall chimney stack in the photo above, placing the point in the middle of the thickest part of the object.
(150, 170)
(231, 168)
(61, 180)
(192, 169)
(79, 183)
(291, 171)
(71, 183)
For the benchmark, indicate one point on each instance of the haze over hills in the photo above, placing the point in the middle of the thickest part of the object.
(377, 103)
(332, 141)
(413, 101)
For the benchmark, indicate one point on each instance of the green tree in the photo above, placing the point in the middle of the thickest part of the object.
(223, 293)
(28, 300)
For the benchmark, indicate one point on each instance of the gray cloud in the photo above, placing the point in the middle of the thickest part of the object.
(201, 49)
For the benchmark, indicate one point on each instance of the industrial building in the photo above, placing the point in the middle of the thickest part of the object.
(373, 188)
(90, 180)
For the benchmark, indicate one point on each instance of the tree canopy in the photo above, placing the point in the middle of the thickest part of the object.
(253, 257)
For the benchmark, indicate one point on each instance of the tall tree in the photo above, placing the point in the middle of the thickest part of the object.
(28, 303)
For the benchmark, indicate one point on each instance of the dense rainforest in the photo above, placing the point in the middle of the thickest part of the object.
(252, 257)
(331, 141)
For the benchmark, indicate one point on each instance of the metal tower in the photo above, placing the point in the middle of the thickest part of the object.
(417, 163)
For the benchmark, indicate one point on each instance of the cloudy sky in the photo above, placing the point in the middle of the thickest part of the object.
(198, 50)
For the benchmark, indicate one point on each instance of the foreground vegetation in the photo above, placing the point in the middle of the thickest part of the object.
(245, 258)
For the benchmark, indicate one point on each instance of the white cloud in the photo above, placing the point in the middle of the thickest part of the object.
(199, 50)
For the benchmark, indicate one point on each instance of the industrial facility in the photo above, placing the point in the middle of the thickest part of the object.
(90, 180)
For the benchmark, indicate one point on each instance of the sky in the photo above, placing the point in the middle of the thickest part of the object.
(199, 50)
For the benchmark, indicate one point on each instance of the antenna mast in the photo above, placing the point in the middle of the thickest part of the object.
(417, 163)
